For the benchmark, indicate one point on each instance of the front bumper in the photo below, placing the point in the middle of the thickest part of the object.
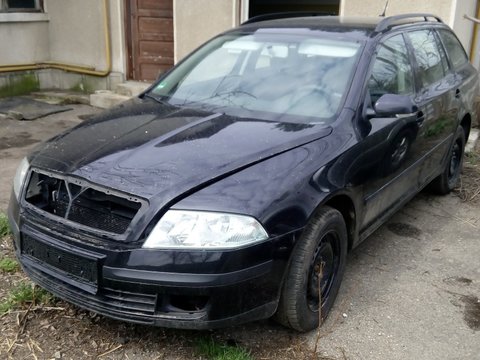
(154, 287)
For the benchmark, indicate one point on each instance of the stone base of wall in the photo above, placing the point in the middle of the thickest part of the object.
(24, 82)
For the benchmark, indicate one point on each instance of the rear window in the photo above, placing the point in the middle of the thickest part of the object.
(454, 49)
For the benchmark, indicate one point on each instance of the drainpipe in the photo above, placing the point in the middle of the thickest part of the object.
(70, 67)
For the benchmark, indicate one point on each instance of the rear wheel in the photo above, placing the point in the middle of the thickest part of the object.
(316, 267)
(448, 179)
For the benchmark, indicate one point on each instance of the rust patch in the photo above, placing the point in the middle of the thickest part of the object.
(404, 230)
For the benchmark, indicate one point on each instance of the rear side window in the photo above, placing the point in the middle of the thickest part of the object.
(431, 62)
(454, 49)
(391, 72)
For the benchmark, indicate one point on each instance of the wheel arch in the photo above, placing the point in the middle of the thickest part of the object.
(466, 124)
(345, 205)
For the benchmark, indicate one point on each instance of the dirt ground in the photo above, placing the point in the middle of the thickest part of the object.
(411, 291)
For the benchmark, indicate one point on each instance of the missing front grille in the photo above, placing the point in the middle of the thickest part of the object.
(81, 204)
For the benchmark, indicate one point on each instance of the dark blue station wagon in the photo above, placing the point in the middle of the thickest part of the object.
(233, 188)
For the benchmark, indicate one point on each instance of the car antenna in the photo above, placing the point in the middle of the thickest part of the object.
(385, 9)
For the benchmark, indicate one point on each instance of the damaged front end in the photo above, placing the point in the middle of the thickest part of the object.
(80, 241)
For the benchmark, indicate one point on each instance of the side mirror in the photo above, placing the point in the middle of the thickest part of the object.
(391, 105)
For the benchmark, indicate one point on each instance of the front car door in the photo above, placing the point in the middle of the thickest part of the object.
(391, 146)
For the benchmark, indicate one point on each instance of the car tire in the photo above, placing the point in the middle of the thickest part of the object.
(447, 180)
(323, 240)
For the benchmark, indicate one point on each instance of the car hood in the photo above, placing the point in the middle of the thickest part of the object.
(152, 150)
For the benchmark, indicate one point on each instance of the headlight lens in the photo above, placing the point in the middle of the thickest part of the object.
(179, 229)
(20, 177)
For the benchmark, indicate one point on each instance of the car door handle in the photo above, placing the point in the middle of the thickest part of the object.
(457, 93)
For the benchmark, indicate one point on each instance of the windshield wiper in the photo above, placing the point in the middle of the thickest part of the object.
(158, 100)
(227, 96)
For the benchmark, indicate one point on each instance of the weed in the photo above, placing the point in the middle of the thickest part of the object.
(217, 351)
(8, 265)
(25, 293)
(4, 226)
(472, 157)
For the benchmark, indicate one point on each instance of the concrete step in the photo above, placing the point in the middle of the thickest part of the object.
(106, 99)
(472, 141)
(131, 88)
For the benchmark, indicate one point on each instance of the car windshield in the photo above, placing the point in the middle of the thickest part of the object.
(268, 76)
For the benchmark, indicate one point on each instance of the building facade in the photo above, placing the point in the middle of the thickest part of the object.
(97, 44)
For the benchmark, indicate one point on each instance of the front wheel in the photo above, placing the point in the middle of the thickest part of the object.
(321, 251)
(447, 180)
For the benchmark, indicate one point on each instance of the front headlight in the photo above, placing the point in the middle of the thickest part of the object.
(179, 229)
(20, 177)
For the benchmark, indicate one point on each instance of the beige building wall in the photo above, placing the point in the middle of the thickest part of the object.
(76, 32)
(196, 21)
(450, 11)
(463, 28)
(442, 8)
(70, 31)
(23, 38)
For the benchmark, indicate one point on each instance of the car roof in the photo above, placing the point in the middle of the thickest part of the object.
(356, 27)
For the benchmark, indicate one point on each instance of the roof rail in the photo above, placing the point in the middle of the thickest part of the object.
(284, 15)
(388, 21)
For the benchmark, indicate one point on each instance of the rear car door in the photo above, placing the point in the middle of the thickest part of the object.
(466, 76)
(437, 99)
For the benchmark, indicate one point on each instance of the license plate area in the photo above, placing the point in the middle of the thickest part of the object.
(77, 270)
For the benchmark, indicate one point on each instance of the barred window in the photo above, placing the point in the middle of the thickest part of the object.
(21, 5)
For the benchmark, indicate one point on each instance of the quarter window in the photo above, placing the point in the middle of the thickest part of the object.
(431, 62)
(391, 73)
(454, 49)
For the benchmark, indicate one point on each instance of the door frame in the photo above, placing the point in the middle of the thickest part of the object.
(128, 39)
(132, 37)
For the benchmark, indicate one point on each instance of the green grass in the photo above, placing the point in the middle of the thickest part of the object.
(213, 350)
(8, 265)
(24, 294)
(4, 226)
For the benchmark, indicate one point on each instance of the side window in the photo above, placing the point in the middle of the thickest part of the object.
(454, 49)
(431, 62)
(391, 73)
